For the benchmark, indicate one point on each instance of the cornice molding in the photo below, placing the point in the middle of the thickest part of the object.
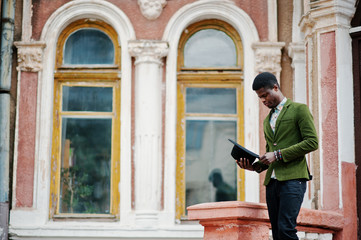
(151, 9)
(30, 55)
(327, 15)
(148, 51)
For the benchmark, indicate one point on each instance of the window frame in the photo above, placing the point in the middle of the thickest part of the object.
(88, 76)
(213, 77)
(210, 24)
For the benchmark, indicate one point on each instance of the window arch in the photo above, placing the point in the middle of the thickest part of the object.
(210, 45)
(210, 110)
(85, 161)
(88, 46)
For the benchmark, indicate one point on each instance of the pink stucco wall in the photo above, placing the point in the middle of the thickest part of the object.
(26, 145)
(329, 121)
(349, 231)
(144, 28)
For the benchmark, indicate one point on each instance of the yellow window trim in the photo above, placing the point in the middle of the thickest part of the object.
(210, 78)
(56, 147)
(87, 23)
(181, 161)
(210, 24)
(93, 76)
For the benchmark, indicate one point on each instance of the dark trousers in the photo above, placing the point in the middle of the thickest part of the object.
(284, 200)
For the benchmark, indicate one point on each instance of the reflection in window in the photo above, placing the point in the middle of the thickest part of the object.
(88, 46)
(85, 165)
(210, 48)
(86, 150)
(210, 172)
(211, 100)
(98, 99)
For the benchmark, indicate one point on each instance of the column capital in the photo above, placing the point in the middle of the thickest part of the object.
(30, 55)
(268, 57)
(148, 50)
(296, 51)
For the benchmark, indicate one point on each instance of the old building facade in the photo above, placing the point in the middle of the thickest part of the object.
(121, 111)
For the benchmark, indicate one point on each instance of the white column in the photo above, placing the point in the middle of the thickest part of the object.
(26, 23)
(297, 52)
(272, 21)
(148, 128)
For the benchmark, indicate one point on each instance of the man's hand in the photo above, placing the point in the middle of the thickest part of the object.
(268, 158)
(244, 163)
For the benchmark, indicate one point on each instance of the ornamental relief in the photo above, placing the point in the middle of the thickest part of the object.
(148, 50)
(151, 9)
(30, 56)
(268, 57)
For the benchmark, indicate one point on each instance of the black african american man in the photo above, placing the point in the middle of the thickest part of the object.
(290, 134)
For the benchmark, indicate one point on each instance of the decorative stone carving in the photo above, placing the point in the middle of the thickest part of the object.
(148, 51)
(30, 56)
(268, 57)
(151, 9)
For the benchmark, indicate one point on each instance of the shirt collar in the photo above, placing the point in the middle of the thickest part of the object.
(281, 104)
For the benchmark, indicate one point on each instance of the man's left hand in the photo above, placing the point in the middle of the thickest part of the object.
(268, 158)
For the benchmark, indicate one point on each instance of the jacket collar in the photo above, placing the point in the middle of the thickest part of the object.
(284, 109)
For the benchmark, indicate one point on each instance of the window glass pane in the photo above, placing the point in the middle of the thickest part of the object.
(97, 99)
(211, 100)
(210, 170)
(88, 46)
(86, 165)
(210, 48)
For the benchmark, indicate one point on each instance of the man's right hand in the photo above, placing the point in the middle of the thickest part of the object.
(244, 163)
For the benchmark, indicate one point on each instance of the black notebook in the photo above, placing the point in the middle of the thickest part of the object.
(240, 152)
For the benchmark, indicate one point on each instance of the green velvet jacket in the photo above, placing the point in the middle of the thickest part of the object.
(295, 135)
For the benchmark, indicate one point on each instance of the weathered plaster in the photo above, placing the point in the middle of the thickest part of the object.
(329, 121)
(26, 139)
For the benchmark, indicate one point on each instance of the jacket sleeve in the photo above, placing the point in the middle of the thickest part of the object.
(308, 141)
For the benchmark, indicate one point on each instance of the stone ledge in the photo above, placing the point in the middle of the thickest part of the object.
(245, 220)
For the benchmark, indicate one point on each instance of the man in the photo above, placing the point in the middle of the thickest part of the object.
(224, 191)
(290, 134)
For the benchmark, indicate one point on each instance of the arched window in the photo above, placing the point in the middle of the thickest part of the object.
(86, 122)
(210, 111)
(88, 46)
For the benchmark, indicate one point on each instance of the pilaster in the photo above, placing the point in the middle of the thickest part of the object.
(329, 75)
(148, 128)
(30, 55)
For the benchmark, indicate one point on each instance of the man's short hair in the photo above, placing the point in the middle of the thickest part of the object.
(264, 80)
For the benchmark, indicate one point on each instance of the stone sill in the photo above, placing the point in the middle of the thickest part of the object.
(237, 219)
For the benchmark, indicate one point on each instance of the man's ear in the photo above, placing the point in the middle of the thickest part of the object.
(275, 87)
